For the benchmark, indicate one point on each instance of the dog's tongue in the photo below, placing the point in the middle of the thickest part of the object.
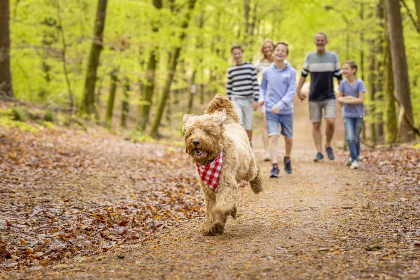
(203, 154)
(200, 153)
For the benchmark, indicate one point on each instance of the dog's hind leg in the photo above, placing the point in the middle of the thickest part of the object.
(254, 177)
(256, 183)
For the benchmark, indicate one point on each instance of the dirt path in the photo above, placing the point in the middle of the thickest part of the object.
(322, 221)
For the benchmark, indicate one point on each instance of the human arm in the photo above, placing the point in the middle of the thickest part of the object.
(352, 100)
(337, 70)
(300, 94)
(263, 89)
(304, 74)
(229, 85)
(290, 93)
(256, 89)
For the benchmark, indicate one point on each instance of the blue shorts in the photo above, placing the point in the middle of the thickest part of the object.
(275, 120)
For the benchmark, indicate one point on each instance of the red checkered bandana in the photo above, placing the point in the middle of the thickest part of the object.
(210, 173)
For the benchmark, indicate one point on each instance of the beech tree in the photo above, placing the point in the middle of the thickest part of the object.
(88, 105)
(399, 69)
(6, 88)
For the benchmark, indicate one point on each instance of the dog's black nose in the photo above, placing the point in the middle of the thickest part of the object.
(196, 142)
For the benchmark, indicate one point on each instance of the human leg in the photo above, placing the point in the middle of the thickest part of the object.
(315, 116)
(273, 137)
(286, 122)
(357, 131)
(265, 136)
(349, 126)
(248, 114)
(316, 133)
(330, 121)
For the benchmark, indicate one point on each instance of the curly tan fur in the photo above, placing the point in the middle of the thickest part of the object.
(216, 131)
(222, 103)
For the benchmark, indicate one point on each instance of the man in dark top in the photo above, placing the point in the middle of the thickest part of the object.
(323, 66)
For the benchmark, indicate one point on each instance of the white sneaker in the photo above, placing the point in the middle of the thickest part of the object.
(267, 156)
(354, 165)
(348, 163)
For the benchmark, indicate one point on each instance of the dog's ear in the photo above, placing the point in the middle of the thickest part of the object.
(220, 116)
(185, 120)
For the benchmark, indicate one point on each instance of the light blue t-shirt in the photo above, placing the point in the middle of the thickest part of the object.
(278, 87)
(352, 110)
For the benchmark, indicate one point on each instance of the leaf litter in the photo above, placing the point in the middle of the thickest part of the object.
(67, 193)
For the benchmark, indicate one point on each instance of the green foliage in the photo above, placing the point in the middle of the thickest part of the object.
(49, 116)
(37, 45)
(20, 114)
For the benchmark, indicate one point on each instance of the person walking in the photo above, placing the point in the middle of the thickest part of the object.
(278, 88)
(264, 62)
(323, 66)
(242, 89)
(351, 96)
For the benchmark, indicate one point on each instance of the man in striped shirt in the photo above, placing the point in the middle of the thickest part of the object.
(323, 66)
(242, 89)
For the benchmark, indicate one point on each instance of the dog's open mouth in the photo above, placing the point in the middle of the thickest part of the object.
(199, 153)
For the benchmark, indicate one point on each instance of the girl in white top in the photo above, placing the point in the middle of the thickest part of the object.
(267, 49)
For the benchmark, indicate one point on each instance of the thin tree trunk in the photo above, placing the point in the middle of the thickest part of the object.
(379, 124)
(149, 85)
(88, 105)
(192, 92)
(391, 125)
(362, 60)
(417, 4)
(111, 99)
(6, 88)
(172, 69)
(63, 57)
(371, 86)
(125, 105)
(399, 67)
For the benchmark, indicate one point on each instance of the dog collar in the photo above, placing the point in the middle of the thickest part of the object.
(210, 173)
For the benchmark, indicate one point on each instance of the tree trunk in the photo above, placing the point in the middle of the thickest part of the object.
(362, 59)
(371, 87)
(64, 58)
(417, 3)
(379, 124)
(149, 85)
(154, 131)
(111, 99)
(6, 88)
(125, 106)
(399, 67)
(391, 126)
(192, 91)
(88, 105)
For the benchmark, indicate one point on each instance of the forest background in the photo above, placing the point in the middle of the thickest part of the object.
(143, 64)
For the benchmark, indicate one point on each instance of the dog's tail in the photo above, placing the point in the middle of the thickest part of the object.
(222, 103)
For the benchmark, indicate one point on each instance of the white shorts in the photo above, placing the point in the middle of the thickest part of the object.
(243, 107)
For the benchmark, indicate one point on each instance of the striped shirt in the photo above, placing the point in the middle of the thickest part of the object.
(242, 82)
(323, 68)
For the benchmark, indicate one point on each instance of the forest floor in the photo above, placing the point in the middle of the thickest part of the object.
(89, 205)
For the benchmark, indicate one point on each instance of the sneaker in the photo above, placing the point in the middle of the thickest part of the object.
(267, 156)
(274, 172)
(319, 157)
(348, 163)
(330, 153)
(287, 165)
(354, 165)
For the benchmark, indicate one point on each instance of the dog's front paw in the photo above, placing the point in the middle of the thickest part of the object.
(215, 229)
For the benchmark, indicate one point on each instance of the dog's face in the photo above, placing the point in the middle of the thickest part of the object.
(203, 136)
